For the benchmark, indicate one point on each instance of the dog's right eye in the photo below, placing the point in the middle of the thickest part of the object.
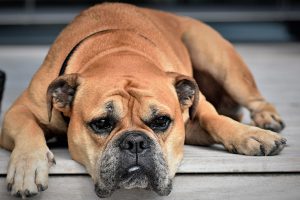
(102, 125)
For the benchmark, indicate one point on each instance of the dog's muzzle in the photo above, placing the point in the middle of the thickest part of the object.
(133, 160)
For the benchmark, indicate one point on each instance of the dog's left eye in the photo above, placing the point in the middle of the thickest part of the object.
(160, 123)
(102, 125)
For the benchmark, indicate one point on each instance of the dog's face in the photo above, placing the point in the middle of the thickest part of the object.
(126, 121)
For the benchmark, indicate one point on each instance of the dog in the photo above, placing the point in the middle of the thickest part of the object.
(129, 87)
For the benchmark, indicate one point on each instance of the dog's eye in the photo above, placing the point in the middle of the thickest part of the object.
(102, 125)
(160, 123)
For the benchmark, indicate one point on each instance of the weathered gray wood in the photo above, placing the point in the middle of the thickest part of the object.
(191, 187)
(196, 160)
(202, 160)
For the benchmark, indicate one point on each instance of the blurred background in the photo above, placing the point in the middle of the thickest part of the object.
(24, 22)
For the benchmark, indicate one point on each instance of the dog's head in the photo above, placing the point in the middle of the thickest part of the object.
(126, 121)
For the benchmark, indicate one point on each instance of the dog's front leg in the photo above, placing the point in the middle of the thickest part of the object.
(237, 137)
(30, 159)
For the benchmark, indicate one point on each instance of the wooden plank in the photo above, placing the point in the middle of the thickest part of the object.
(202, 160)
(191, 187)
(196, 160)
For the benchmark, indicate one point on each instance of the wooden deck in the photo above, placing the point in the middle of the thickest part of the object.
(205, 173)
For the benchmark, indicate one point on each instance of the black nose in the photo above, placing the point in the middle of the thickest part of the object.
(134, 142)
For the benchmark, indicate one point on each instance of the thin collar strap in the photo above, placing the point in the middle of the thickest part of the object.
(66, 61)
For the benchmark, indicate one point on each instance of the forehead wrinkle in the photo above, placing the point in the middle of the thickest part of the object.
(155, 110)
(134, 104)
(105, 106)
(139, 96)
(104, 110)
(118, 92)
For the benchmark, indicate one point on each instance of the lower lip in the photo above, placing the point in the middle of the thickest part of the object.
(132, 171)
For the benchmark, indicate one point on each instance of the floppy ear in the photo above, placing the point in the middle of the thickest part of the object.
(187, 91)
(61, 93)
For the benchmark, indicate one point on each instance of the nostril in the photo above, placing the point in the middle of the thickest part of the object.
(127, 145)
(143, 145)
(130, 145)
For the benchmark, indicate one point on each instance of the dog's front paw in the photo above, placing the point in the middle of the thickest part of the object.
(257, 142)
(266, 117)
(28, 172)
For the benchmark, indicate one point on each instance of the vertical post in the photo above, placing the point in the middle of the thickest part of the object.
(2, 83)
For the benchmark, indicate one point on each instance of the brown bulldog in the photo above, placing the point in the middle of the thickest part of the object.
(129, 86)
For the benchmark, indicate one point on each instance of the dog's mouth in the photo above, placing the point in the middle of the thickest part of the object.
(134, 177)
(129, 168)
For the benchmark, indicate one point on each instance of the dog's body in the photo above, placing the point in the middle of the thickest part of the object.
(118, 80)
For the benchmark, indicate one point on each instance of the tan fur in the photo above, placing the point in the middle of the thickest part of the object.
(133, 60)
